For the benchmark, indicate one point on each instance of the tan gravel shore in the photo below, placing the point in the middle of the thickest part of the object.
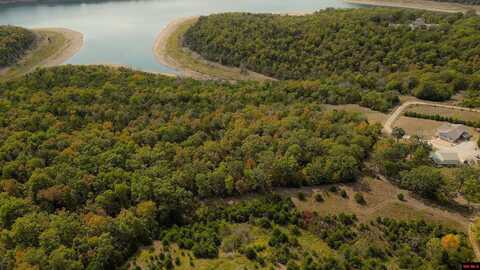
(160, 49)
(204, 69)
(73, 44)
(53, 47)
(192, 65)
(418, 4)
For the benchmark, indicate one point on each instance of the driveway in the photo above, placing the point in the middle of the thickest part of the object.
(387, 126)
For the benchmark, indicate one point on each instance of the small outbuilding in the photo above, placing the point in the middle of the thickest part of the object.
(453, 133)
(444, 158)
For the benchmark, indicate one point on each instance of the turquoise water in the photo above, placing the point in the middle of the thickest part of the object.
(124, 32)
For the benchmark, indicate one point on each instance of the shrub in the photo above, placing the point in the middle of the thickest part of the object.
(205, 250)
(301, 196)
(291, 265)
(250, 253)
(295, 230)
(319, 197)
(343, 193)
(359, 198)
(333, 189)
(277, 238)
(264, 223)
(401, 197)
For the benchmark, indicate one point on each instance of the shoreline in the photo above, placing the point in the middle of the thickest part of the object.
(160, 49)
(74, 42)
(53, 47)
(197, 67)
(418, 4)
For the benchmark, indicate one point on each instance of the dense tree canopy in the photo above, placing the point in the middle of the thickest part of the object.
(114, 154)
(466, 2)
(14, 41)
(382, 49)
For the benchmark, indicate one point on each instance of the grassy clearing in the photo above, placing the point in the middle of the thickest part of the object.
(421, 127)
(188, 261)
(424, 128)
(403, 211)
(48, 44)
(372, 116)
(232, 260)
(381, 200)
(430, 110)
(189, 60)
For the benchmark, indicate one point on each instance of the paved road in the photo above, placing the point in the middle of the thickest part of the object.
(387, 126)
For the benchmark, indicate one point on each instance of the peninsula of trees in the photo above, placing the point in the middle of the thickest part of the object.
(425, 54)
(465, 2)
(14, 41)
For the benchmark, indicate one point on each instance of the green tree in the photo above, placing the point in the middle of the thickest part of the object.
(471, 190)
(423, 180)
(398, 133)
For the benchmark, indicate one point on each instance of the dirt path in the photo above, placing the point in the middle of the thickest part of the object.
(387, 126)
(419, 205)
(418, 4)
(473, 242)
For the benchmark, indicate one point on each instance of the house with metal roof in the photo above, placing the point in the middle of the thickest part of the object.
(453, 133)
(445, 158)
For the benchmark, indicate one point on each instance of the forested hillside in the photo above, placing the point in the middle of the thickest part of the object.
(87, 153)
(13, 2)
(465, 2)
(269, 233)
(96, 162)
(384, 49)
(14, 41)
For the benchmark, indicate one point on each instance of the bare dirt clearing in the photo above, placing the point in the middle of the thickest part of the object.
(382, 201)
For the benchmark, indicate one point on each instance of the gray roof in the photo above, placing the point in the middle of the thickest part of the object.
(446, 158)
(447, 155)
(453, 132)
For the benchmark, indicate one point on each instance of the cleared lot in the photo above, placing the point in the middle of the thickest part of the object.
(458, 114)
(421, 127)
(373, 117)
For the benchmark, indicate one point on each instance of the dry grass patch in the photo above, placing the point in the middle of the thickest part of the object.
(381, 200)
(230, 260)
(421, 127)
(458, 114)
(404, 211)
(373, 117)
(424, 128)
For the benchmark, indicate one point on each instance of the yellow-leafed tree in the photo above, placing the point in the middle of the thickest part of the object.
(450, 242)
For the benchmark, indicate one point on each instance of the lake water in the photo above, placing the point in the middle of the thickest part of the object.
(124, 32)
